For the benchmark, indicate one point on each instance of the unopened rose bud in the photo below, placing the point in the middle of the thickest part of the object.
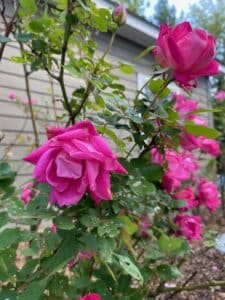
(120, 14)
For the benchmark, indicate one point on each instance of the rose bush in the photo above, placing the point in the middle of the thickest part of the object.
(75, 245)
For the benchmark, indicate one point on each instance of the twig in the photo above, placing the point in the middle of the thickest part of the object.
(8, 25)
(165, 84)
(26, 77)
(184, 284)
(202, 286)
(53, 98)
(67, 33)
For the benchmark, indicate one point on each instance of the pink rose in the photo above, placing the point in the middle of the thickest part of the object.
(198, 120)
(220, 96)
(92, 296)
(143, 224)
(188, 195)
(179, 167)
(85, 255)
(187, 141)
(27, 193)
(210, 146)
(208, 194)
(54, 228)
(189, 226)
(12, 95)
(32, 100)
(120, 14)
(190, 53)
(74, 161)
(184, 106)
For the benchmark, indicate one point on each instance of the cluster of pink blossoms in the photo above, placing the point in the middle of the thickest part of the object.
(182, 167)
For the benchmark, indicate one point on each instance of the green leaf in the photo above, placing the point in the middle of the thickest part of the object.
(129, 226)
(126, 69)
(8, 237)
(28, 251)
(130, 268)
(167, 272)
(106, 248)
(108, 228)
(198, 130)
(72, 70)
(140, 186)
(24, 37)
(99, 101)
(18, 60)
(66, 251)
(153, 172)
(28, 8)
(155, 87)
(3, 218)
(5, 171)
(172, 245)
(34, 290)
(8, 295)
(64, 222)
(144, 53)
(112, 135)
(90, 220)
(4, 39)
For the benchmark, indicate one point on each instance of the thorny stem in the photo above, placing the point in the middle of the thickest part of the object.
(184, 284)
(9, 25)
(110, 44)
(53, 98)
(67, 34)
(90, 86)
(26, 76)
(165, 84)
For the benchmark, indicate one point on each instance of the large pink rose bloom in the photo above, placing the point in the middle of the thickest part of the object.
(208, 194)
(184, 106)
(92, 296)
(179, 167)
(220, 96)
(189, 52)
(75, 160)
(189, 226)
(210, 146)
(187, 194)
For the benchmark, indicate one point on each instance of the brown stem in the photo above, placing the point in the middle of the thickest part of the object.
(26, 76)
(184, 284)
(165, 84)
(67, 33)
(9, 26)
(53, 98)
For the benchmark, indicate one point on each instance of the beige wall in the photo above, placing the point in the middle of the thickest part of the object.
(14, 119)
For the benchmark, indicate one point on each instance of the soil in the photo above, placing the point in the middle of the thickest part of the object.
(202, 265)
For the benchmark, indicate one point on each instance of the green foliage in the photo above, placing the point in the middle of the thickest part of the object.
(164, 13)
(113, 249)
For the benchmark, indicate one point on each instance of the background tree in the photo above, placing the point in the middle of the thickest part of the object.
(164, 13)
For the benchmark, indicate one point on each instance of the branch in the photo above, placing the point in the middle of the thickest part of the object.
(163, 87)
(67, 34)
(26, 76)
(189, 288)
(9, 25)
